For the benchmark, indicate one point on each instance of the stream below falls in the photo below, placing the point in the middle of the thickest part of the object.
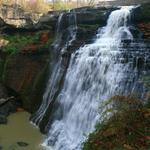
(20, 134)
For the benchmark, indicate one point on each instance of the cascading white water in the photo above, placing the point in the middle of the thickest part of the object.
(94, 75)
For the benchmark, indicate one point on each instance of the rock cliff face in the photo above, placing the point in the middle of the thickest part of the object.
(14, 15)
(26, 75)
(24, 58)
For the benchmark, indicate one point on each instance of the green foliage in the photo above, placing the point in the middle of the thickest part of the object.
(18, 41)
(127, 128)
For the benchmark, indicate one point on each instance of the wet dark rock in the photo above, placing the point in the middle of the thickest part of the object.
(22, 144)
(6, 109)
(3, 120)
(136, 32)
(8, 104)
(2, 23)
(141, 13)
(140, 21)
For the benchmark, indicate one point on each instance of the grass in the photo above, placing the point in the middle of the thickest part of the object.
(127, 129)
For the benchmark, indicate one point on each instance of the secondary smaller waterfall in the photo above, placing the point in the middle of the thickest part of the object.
(95, 73)
(57, 66)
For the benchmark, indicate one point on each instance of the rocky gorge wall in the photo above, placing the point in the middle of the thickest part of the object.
(24, 63)
(25, 56)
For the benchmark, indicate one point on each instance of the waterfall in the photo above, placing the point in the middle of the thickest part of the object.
(95, 73)
(56, 65)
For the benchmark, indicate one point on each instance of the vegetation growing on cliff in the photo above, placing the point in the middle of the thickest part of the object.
(127, 129)
(15, 42)
(26, 43)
